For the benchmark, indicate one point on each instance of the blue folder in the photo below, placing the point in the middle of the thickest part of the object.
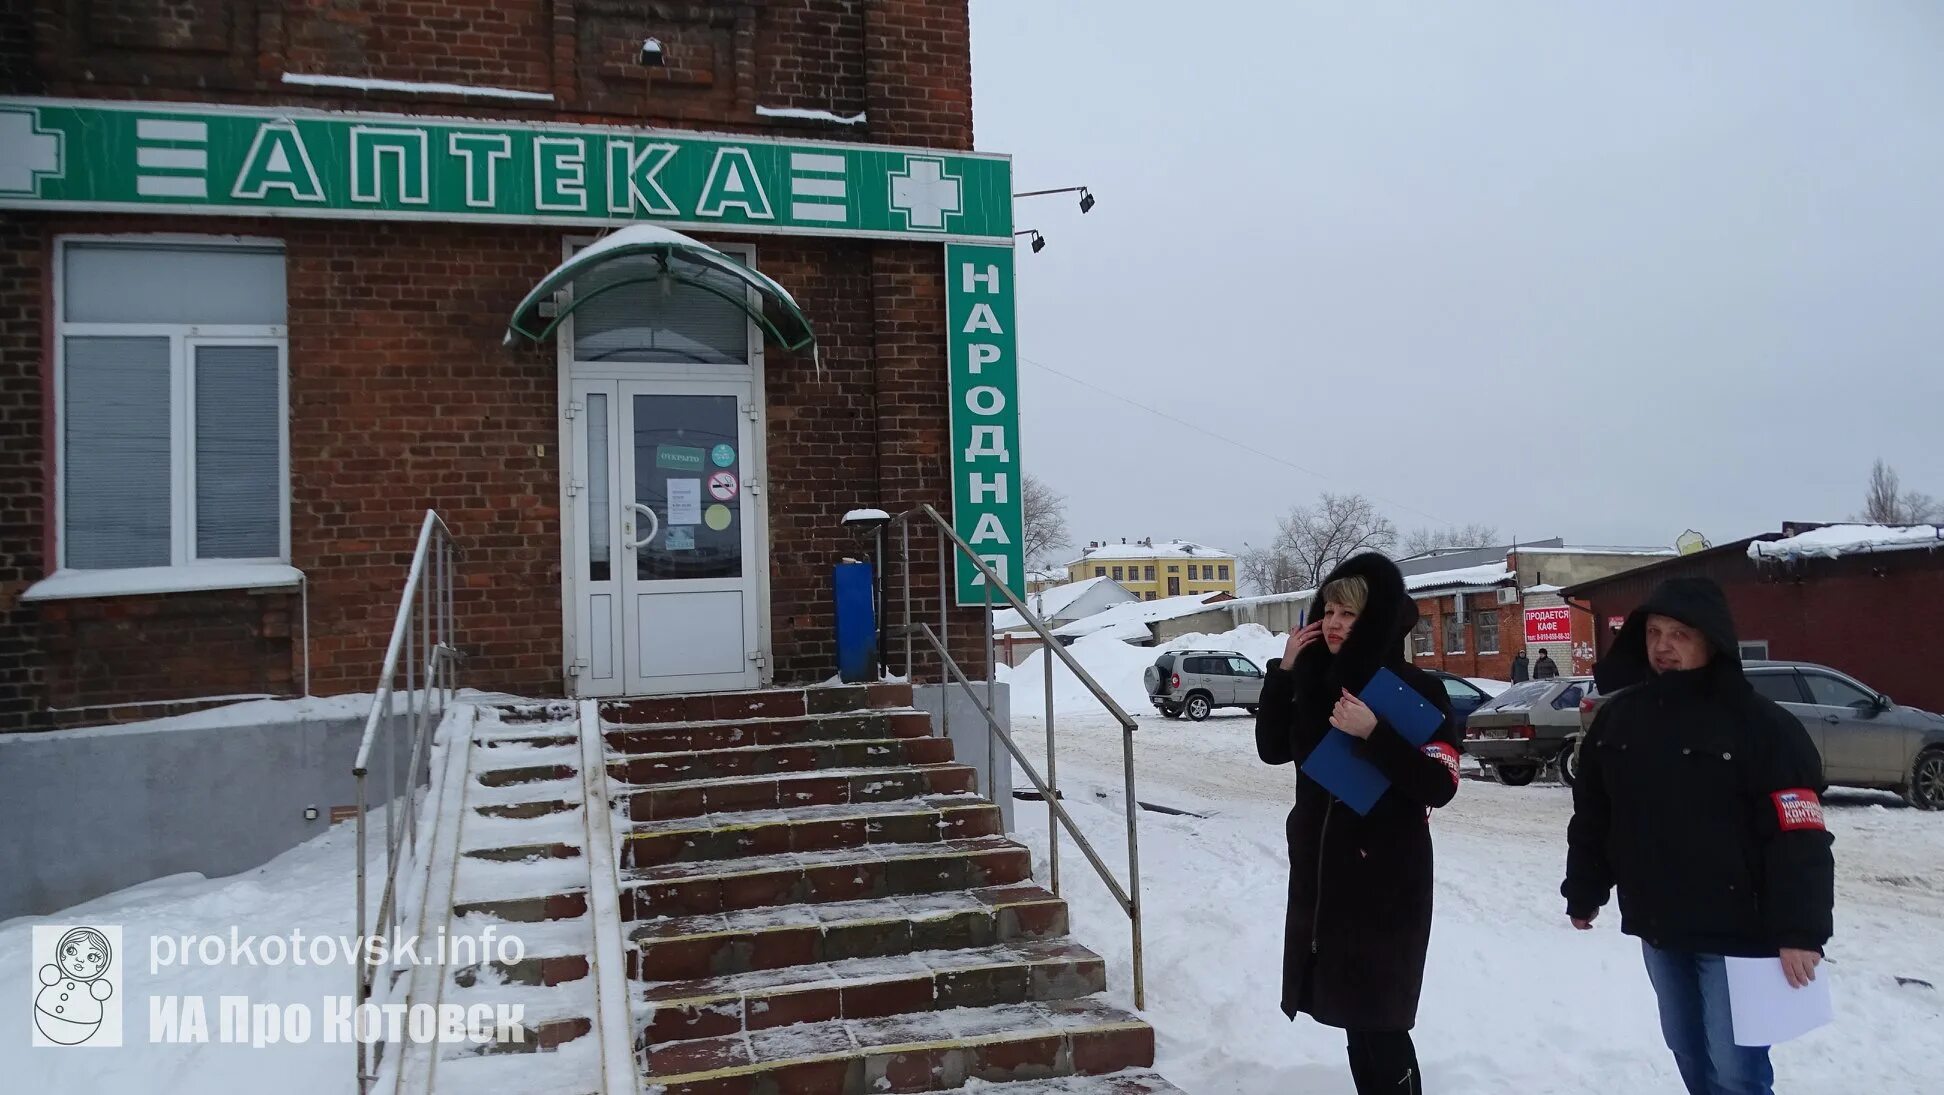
(1334, 762)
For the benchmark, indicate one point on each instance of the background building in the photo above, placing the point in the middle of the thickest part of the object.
(1479, 607)
(1860, 598)
(1151, 571)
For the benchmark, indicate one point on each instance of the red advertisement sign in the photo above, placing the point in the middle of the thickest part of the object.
(1549, 625)
(1615, 623)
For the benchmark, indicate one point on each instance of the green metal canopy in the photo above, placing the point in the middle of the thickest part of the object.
(672, 257)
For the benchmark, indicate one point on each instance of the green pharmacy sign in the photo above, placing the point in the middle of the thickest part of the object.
(986, 508)
(176, 158)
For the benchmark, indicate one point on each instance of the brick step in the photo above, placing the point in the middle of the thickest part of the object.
(526, 910)
(1135, 1081)
(932, 1051)
(772, 703)
(692, 798)
(521, 776)
(845, 874)
(521, 811)
(676, 737)
(535, 738)
(551, 1015)
(765, 760)
(870, 988)
(684, 948)
(809, 829)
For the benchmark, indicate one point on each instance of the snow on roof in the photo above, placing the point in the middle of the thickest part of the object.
(1542, 589)
(1836, 541)
(409, 87)
(1273, 598)
(1487, 575)
(810, 115)
(1139, 612)
(1595, 549)
(1169, 549)
(1047, 603)
(867, 515)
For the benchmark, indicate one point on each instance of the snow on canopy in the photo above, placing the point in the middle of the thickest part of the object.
(1836, 541)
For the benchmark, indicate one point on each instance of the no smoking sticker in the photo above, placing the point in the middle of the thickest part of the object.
(723, 486)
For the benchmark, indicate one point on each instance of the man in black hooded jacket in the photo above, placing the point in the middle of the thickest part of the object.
(1701, 801)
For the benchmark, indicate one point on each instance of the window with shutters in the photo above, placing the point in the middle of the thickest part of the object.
(170, 377)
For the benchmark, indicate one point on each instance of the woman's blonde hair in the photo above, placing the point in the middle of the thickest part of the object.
(1352, 593)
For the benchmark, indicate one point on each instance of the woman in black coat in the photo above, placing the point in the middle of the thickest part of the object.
(1359, 918)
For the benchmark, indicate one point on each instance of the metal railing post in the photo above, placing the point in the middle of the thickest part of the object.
(944, 640)
(1052, 775)
(1129, 900)
(358, 967)
(904, 568)
(991, 761)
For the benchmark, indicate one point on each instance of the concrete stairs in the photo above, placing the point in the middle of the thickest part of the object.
(818, 901)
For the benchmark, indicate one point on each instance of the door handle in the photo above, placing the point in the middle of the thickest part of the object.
(1831, 718)
(654, 527)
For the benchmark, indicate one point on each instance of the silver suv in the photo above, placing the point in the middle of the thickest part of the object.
(1196, 682)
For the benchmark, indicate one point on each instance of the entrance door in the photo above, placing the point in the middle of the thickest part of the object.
(668, 586)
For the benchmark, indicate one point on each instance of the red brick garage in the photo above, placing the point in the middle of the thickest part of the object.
(1871, 612)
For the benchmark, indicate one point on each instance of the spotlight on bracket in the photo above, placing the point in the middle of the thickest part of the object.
(652, 55)
(1086, 200)
(1039, 241)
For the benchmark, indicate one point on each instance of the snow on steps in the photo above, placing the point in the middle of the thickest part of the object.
(931, 1051)
(1135, 1081)
(824, 906)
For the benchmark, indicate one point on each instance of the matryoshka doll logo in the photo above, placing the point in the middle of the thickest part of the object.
(77, 986)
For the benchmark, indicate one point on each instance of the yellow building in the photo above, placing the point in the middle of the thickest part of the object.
(1152, 571)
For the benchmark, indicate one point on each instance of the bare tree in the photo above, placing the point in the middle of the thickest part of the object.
(1045, 520)
(1887, 503)
(1424, 538)
(1312, 540)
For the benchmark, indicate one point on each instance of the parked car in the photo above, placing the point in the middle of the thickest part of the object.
(1530, 725)
(1865, 738)
(1465, 696)
(1196, 682)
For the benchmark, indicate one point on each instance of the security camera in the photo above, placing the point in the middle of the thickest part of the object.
(651, 53)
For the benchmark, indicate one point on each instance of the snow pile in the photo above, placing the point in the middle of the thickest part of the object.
(1836, 541)
(1118, 667)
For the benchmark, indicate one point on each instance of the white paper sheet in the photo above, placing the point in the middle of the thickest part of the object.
(1766, 1010)
(685, 501)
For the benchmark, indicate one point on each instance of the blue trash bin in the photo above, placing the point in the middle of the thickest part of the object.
(857, 635)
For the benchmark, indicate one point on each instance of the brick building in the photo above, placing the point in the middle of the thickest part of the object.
(1477, 608)
(258, 261)
(1861, 599)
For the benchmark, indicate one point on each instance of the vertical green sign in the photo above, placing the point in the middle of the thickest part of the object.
(986, 482)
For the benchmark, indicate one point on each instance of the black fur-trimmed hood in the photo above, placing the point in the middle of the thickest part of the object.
(1377, 639)
(1696, 602)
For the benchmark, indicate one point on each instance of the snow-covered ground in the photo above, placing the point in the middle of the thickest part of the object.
(308, 889)
(1514, 998)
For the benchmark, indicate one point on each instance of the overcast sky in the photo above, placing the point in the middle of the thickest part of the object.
(1601, 271)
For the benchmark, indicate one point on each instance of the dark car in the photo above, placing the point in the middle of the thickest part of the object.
(1865, 738)
(1465, 696)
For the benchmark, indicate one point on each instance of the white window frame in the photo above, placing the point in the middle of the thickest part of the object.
(181, 571)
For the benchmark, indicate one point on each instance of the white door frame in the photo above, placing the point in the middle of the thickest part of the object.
(573, 482)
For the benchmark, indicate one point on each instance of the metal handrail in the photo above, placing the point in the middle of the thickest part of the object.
(1129, 898)
(426, 649)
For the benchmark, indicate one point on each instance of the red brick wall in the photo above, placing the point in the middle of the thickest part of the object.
(1496, 666)
(1873, 616)
(401, 396)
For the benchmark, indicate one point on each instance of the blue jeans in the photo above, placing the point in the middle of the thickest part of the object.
(1693, 993)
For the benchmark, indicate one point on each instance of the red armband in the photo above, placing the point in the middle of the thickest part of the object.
(1798, 808)
(1445, 754)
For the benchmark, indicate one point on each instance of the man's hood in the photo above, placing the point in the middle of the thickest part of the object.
(1696, 602)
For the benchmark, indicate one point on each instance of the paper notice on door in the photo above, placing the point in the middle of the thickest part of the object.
(679, 539)
(685, 501)
(1766, 1010)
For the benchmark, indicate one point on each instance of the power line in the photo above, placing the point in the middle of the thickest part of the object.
(1252, 450)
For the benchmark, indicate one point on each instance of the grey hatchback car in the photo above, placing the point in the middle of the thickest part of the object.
(1865, 738)
(1196, 682)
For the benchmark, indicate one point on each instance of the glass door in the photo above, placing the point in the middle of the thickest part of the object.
(685, 541)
